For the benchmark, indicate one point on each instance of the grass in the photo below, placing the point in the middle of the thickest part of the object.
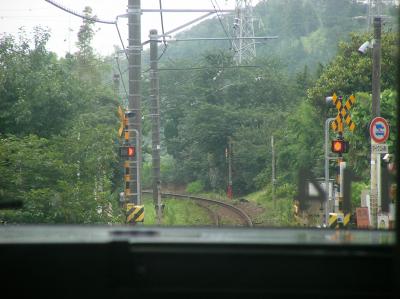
(177, 212)
(278, 213)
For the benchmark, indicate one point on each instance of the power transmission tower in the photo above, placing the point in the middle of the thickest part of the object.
(243, 28)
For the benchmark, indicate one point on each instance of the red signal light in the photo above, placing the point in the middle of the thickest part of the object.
(127, 151)
(131, 151)
(339, 146)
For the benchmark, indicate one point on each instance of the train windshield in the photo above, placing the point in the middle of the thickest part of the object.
(219, 113)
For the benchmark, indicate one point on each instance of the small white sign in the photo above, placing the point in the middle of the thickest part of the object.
(380, 148)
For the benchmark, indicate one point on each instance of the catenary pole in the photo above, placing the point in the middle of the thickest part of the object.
(327, 179)
(155, 116)
(376, 91)
(134, 96)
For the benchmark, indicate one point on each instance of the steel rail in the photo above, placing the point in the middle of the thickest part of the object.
(236, 210)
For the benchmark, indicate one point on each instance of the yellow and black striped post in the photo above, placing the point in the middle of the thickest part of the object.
(346, 219)
(332, 221)
(338, 220)
(134, 213)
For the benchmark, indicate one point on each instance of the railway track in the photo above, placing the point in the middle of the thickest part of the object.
(246, 220)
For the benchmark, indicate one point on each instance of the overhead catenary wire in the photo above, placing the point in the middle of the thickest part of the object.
(205, 68)
(162, 24)
(122, 78)
(70, 11)
(95, 19)
(120, 39)
(222, 25)
(163, 32)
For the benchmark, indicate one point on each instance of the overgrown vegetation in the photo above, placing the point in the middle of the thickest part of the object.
(177, 212)
(57, 132)
(201, 113)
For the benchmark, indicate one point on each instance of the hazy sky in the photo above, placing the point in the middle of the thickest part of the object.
(64, 27)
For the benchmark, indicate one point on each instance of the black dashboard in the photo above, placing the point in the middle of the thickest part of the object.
(121, 262)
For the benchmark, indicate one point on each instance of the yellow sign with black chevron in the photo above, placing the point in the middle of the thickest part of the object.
(343, 113)
(346, 219)
(134, 213)
(333, 220)
(338, 220)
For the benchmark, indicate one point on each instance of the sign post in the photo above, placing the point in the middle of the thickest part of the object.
(379, 132)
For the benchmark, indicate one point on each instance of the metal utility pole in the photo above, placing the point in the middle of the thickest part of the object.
(376, 93)
(340, 160)
(273, 167)
(155, 116)
(376, 67)
(134, 97)
(327, 179)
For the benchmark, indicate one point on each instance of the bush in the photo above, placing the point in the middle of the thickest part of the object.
(286, 191)
(195, 187)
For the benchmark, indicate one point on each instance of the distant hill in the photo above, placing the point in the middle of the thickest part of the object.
(308, 31)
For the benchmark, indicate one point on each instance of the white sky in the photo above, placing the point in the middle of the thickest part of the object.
(64, 26)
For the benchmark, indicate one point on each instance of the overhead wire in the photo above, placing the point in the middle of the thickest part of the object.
(163, 32)
(162, 23)
(70, 11)
(95, 19)
(122, 78)
(222, 25)
(205, 68)
(120, 39)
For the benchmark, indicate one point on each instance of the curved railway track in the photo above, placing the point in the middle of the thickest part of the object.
(246, 220)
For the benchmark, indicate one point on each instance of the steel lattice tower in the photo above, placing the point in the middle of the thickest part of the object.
(243, 29)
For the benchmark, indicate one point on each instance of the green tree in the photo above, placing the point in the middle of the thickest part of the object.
(57, 149)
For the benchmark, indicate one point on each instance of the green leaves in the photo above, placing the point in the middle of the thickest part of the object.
(351, 72)
(57, 132)
(217, 102)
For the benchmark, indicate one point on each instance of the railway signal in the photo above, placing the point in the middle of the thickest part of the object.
(339, 146)
(127, 151)
(341, 216)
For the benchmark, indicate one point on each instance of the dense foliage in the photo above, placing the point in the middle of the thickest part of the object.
(57, 128)
(202, 109)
